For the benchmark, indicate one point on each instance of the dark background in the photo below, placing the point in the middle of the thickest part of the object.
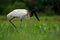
(43, 7)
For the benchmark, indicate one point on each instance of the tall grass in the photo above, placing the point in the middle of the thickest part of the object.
(47, 29)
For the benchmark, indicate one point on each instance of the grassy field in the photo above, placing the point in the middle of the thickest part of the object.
(47, 29)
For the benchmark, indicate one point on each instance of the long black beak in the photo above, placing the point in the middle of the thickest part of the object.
(35, 14)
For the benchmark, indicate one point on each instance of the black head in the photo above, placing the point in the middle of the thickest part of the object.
(33, 13)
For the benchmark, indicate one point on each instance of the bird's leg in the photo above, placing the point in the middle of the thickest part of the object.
(12, 23)
(21, 23)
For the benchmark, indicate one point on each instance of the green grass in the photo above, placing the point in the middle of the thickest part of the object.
(47, 29)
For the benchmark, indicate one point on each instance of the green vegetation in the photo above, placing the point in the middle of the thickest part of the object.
(47, 29)
(48, 7)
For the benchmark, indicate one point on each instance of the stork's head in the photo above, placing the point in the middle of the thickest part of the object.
(30, 14)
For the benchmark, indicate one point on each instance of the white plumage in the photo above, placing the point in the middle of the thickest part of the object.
(18, 13)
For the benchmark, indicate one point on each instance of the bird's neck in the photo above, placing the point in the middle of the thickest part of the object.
(29, 14)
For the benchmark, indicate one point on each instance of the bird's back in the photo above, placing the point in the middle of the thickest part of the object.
(18, 13)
